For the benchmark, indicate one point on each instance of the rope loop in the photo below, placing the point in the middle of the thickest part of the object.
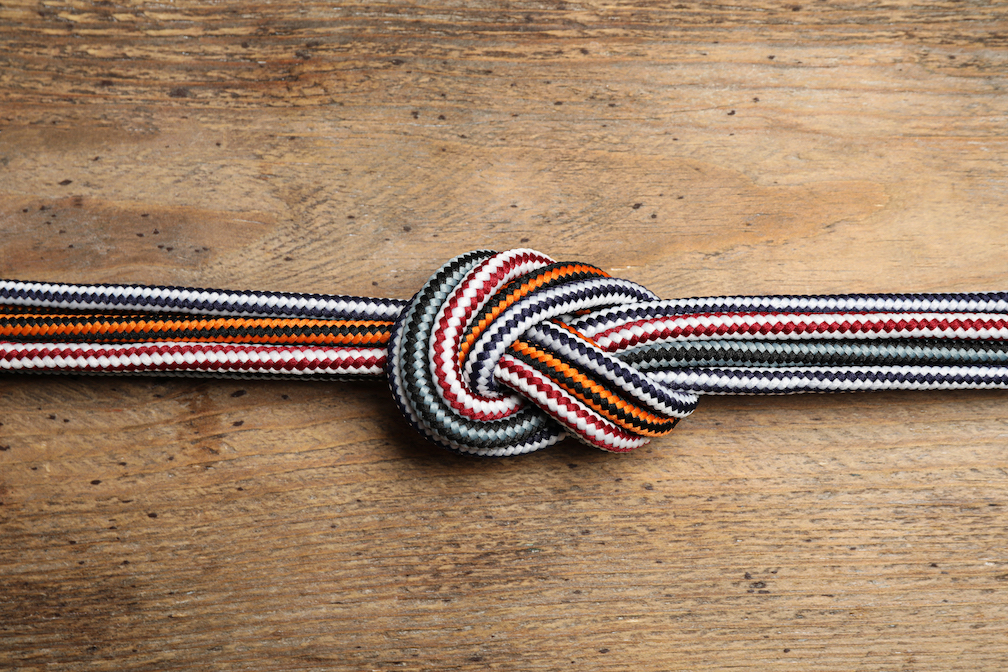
(488, 333)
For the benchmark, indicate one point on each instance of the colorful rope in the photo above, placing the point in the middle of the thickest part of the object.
(127, 328)
(506, 353)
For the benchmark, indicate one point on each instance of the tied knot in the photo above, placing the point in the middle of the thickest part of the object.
(487, 359)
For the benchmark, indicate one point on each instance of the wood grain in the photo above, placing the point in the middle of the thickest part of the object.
(696, 148)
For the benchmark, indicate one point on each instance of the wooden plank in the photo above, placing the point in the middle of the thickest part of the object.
(698, 149)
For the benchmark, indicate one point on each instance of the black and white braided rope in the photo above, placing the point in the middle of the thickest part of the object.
(195, 301)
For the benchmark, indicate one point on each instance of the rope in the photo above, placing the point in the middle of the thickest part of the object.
(32, 327)
(506, 353)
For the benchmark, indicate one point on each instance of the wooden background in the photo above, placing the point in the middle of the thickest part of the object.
(698, 148)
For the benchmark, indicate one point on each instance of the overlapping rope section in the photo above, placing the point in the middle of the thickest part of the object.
(505, 353)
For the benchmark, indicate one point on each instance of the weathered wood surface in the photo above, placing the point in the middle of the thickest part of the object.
(153, 524)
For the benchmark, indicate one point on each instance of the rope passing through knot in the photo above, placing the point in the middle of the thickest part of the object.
(483, 359)
(505, 353)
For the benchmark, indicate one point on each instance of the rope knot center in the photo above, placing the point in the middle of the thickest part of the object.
(488, 333)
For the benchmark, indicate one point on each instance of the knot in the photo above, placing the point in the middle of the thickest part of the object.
(483, 361)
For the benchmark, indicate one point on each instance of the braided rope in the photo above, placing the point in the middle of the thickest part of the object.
(836, 379)
(196, 301)
(921, 352)
(179, 358)
(506, 353)
(126, 328)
